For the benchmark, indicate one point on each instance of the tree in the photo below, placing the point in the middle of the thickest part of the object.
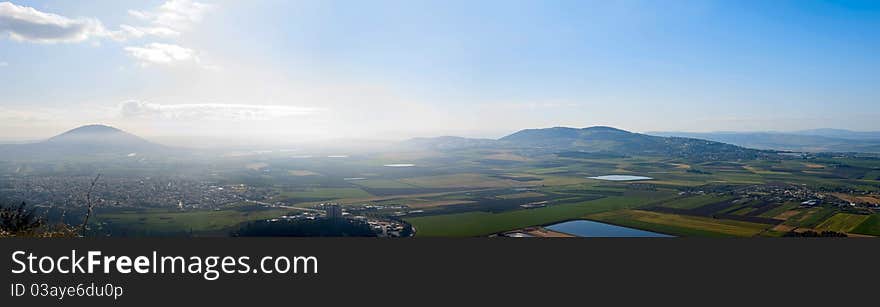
(22, 221)
(89, 205)
(18, 220)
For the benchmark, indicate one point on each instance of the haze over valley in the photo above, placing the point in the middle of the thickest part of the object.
(511, 186)
(200, 118)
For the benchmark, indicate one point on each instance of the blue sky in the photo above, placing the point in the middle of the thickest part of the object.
(396, 69)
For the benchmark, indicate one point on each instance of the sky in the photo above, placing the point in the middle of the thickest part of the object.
(320, 70)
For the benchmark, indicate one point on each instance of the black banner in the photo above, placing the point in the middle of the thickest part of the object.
(416, 272)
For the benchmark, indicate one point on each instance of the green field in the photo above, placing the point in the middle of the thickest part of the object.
(779, 209)
(483, 223)
(870, 226)
(461, 181)
(478, 192)
(681, 225)
(872, 175)
(694, 201)
(743, 211)
(566, 177)
(842, 222)
(327, 193)
(171, 221)
(816, 217)
(382, 184)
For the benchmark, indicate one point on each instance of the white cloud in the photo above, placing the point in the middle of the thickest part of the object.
(174, 15)
(4, 64)
(158, 53)
(169, 20)
(127, 31)
(210, 111)
(23, 23)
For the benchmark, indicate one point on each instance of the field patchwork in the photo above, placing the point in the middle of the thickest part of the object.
(842, 222)
(480, 223)
(165, 221)
(870, 226)
(682, 225)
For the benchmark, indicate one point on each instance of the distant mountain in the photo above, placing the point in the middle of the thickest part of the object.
(820, 140)
(100, 138)
(842, 134)
(447, 143)
(83, 141)
(604, 141)
(612, 140)
(598, 138)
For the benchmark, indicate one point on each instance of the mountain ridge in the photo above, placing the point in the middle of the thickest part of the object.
(97, 139)
(606, 139)
(88, 140)
(801, 141)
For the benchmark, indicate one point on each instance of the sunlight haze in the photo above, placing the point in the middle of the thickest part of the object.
(319, 70)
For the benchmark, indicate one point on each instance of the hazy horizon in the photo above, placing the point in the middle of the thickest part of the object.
(327, 70)
(256, 141)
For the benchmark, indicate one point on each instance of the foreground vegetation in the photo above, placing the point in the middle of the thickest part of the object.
(165, 222)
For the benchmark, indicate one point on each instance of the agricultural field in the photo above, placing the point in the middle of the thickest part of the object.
(466, 193)
(681, 225)
(521, 195)
(694, 202)
(382, 184)
(870, 226)
(778, 211)
(484, 223)
(462, 181)
(168, 222)
(842, 222)
(478, 193)
(815, 217)
(326, 193)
